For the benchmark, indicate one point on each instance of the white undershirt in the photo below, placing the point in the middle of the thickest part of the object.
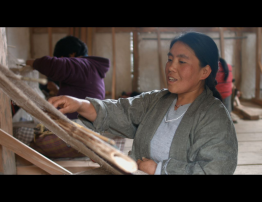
(161, 142)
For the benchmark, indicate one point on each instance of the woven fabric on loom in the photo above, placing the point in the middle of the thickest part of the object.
(53, 147)
(24, 134)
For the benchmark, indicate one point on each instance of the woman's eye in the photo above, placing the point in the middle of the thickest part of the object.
(182, 62)
(169, 60)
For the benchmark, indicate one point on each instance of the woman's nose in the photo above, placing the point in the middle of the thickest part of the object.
(173, 66)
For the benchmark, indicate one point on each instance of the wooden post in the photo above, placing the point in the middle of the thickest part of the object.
(90, 40)
(258, 62)
(84, 34)
(7, 157)
(222, 43)
(76, 34)
(71, 31)
(50, 41)
(31, 41)
(114, 65)
(135, 60)
(238, 62)
(161, 70)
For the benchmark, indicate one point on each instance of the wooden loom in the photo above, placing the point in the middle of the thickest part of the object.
(85, 140)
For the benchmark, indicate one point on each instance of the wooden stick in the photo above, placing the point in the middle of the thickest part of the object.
(31, 155)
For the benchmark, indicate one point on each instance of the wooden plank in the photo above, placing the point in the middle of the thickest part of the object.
(222, 43)
(50, 45)
(136, 62)
(7, 157)
(30, 154)
(161, 69)
(113, 90)
(258, 61)
(246, 113)
(238, 60)
(25, 167)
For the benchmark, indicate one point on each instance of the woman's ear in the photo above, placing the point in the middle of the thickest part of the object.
(206, 71)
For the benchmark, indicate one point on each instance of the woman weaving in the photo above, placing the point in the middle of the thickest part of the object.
(184, 129)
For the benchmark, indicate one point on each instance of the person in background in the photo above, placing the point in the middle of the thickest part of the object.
(224, 85)
(184, 129)
(77, 75)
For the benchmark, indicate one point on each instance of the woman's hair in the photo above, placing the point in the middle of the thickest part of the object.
(207, 53)
(69, 45)
(225, 67)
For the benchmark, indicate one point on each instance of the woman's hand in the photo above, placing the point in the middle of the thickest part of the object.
(68, 104)
(147, 165)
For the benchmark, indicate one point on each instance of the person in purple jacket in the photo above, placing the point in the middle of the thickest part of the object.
(78, 74)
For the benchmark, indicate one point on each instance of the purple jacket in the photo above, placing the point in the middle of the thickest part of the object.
(78, 77)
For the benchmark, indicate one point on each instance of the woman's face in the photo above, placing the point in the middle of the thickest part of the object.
(183, 71)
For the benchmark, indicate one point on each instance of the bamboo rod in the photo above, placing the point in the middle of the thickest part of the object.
(113, 94)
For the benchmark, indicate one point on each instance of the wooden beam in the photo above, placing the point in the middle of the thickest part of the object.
(135, 62)
(113, 94)
(41, 30)
(174, 29)
(50, 41)
(222, 43)
(161, 69)
(238, 60)
(258, 61)
(30, 154)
